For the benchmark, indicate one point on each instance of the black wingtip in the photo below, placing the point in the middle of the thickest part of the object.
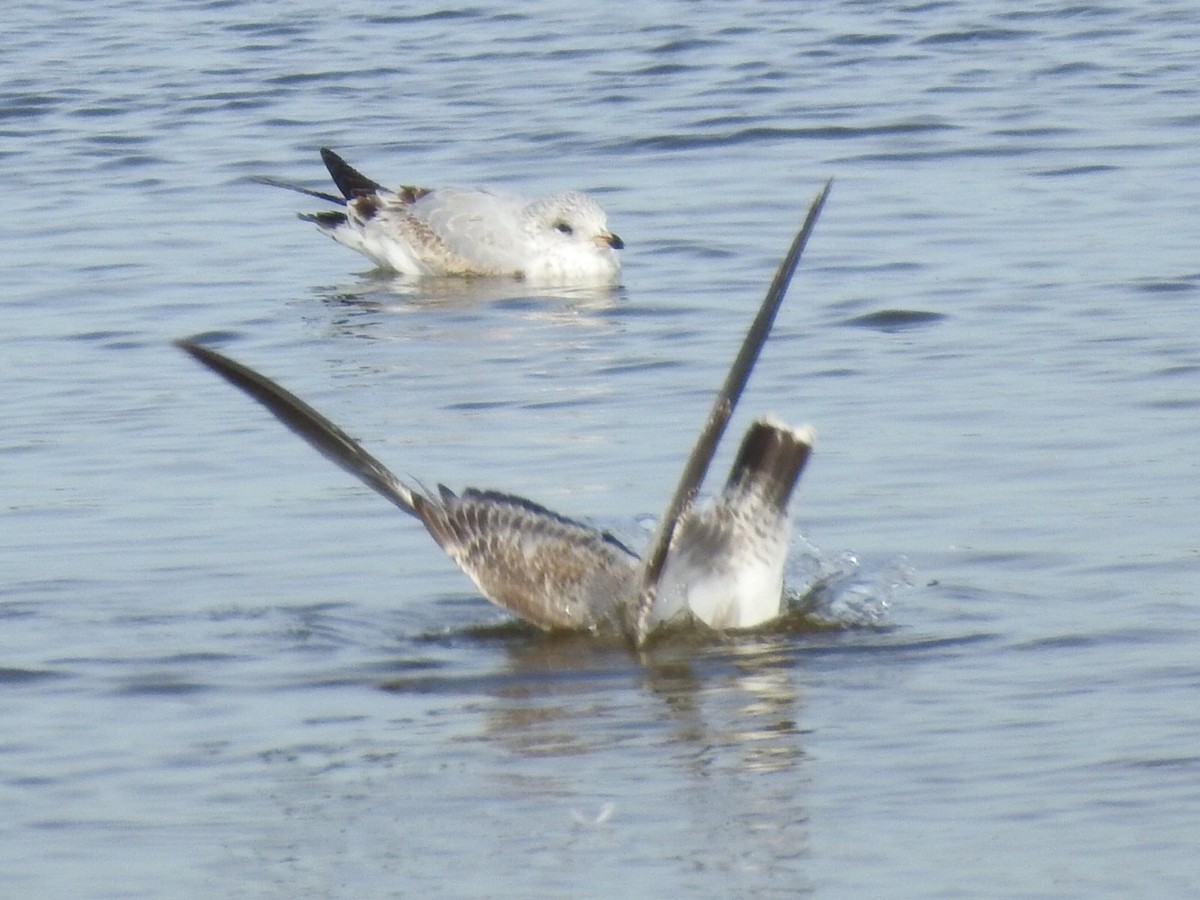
(193, 348)
(240, 376)
(351, 182)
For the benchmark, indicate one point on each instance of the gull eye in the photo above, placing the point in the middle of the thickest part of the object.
(563, 228)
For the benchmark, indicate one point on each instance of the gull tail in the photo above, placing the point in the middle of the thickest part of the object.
(770, 460)
(325, 437)
(726, 564)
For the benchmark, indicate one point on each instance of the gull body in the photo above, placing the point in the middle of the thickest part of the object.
(720, 563)
(559, 239)
(725, 563)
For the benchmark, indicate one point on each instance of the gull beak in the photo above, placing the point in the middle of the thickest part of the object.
(608, 239)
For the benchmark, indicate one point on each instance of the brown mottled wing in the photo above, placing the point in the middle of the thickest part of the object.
(550, 570)
(388, 219)
(547, 569)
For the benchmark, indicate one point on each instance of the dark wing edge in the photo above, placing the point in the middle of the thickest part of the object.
(288, 186)
(319, 432)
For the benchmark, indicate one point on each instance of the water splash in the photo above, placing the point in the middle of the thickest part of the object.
(839, 591)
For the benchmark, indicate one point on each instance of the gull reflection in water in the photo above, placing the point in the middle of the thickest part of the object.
(565, 695)
(377, 292)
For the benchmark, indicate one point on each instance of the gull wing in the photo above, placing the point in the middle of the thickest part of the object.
(324, 436)
(545, 568)
(549, 570)
(351, 182)
(480, 225)
(710, 434)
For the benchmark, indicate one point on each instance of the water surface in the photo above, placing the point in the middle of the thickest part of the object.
(228, 670)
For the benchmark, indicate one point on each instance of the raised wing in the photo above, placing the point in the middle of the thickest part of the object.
(710, 434)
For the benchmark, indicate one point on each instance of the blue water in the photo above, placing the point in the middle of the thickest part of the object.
(226, 669)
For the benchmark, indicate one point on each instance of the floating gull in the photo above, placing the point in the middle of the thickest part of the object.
(721, 563)
(558, 239)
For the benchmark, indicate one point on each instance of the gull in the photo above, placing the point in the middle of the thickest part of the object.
(559, 239)
(720, 563)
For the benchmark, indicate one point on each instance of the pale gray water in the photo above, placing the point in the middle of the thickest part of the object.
(226, 669)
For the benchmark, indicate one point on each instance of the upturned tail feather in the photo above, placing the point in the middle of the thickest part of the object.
(771, 457)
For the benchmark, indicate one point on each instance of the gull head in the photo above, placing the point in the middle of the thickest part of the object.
(571, 232)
